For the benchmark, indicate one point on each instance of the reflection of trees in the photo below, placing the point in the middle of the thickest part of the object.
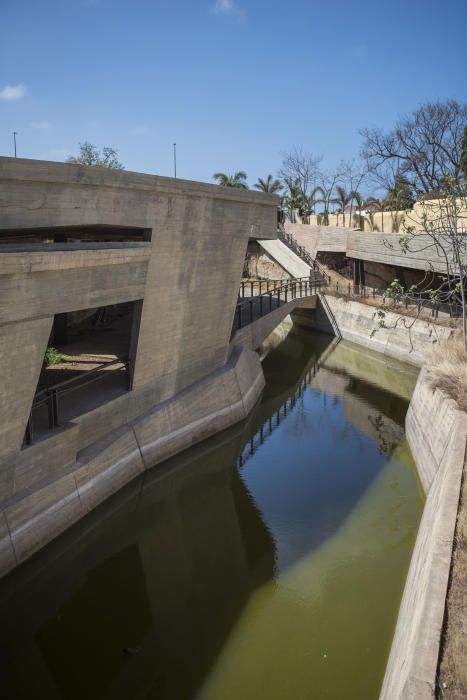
(387, 436)
(330, 387)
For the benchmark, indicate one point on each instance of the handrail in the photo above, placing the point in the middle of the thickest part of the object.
(416, 299)
(49, 395)
(262, 304)
(291, 242)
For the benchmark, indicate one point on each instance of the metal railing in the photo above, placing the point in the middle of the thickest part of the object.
(254, 307)
(418, 303)
(291, 242)
(51, 396)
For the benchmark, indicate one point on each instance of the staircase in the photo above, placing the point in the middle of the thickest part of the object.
(318, 275)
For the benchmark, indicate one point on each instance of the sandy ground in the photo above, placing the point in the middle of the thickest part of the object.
(452, 684)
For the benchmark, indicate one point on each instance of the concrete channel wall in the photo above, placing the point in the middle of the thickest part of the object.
(59, 497)
(437, 434)
(358, 322)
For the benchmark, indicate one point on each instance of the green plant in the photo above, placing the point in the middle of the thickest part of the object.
(53, 357)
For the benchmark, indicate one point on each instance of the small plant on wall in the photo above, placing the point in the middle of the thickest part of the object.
(53, 357)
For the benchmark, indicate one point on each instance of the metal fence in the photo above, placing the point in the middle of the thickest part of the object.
(52, 396)
(254, 307)
(420, 303)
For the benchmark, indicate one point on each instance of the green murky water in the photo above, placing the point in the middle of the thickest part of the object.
(266, 563)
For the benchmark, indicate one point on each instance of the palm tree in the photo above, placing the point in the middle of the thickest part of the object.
(342, 200)
(381, 204)
(293, 199)
(237, 180)
(270, 185)
(360, 204)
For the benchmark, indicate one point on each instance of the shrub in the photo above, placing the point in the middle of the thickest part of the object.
(53, 357)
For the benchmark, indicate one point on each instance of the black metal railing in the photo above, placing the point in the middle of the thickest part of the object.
(51, 396)
(254, 307)
(275, 419)
(291, 242)
(419, 303)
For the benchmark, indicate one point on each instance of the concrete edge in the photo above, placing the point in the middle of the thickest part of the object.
(411, 671)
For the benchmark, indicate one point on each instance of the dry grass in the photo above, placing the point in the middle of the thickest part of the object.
(447, 369)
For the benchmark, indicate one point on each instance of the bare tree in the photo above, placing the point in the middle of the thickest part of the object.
(425, 147)
(352, 175)
(445, 228)
(301, 169)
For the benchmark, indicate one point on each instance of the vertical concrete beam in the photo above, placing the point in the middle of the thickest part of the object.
(22, 348)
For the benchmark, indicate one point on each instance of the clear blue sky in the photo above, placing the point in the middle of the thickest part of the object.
(233, 82)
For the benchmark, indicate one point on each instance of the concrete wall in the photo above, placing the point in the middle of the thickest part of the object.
(56, 499)
(437, 434)
(375, 247)
(357, 322)
(189, 381)
(318, 239)
(188, 276)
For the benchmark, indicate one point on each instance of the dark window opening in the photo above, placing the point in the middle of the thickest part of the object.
(89, 361)
(74, 234)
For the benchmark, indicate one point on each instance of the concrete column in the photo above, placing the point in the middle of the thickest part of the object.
(22, 348)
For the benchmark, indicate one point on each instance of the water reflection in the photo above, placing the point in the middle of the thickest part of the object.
(227, 571)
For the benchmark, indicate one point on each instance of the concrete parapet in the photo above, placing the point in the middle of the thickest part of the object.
(357, 322)
(437, 434)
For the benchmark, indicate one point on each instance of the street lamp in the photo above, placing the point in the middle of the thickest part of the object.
(175, 160)
(14, 141)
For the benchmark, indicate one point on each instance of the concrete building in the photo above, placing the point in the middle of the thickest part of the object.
(75, 239)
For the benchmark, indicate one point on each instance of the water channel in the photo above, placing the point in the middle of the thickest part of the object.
(265, 563)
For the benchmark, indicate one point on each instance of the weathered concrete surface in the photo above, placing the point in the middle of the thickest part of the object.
(358, 322)
(286, 258)
(187, 276)
(34, 517)
(371, 246)
(22, 347)
(253, 335)
(317, 239)
(413, 662)
(386, 248)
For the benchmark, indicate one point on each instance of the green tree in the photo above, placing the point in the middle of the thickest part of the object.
(400, 195)
(90, 155)
(237, 180)
(270, 184)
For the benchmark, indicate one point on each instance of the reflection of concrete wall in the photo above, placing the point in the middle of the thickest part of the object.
(179, 555)
(384, 372)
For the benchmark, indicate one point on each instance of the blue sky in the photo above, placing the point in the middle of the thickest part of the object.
(234, 82)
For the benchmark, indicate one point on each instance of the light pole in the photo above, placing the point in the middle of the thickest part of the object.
(14, 141)
(175, 160)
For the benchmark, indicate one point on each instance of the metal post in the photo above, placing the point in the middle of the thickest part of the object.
(55, 406)
(14, 140)
(175, 160)
(29, 430)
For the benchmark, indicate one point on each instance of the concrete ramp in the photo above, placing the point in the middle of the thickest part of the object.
(286, 258)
